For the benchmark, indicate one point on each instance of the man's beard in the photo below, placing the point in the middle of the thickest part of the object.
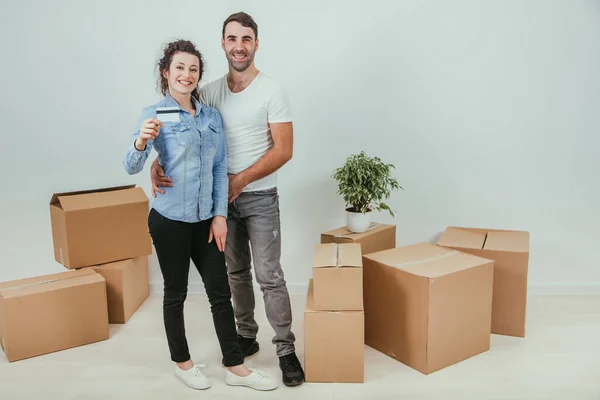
(239, 66)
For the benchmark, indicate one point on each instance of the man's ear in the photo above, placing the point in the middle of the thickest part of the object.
(257, 44)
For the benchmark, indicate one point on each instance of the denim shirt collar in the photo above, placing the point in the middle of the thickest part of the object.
(169, 101)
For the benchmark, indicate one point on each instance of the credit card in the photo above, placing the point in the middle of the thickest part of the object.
(167, 114)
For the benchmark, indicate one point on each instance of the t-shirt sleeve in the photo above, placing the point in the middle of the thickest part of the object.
(279, 109)
(203, 95)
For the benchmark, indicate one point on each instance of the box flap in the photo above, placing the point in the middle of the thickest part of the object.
(102, 199)
(345, 233)
(507, 241)
(332, 255)
(44, 283)
(427, 260)
(325, 255)
(457, 237)
(54, 199)
(349, 255)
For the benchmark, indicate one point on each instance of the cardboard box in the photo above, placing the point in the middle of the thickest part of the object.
(377, 238)
(510, 252)
(52, 312)
(334, 344)
(100, 226)
(426, 306)
(338, 277)
(127, 287)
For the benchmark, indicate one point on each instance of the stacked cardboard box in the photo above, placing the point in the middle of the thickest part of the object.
(101, 236)
(431, 306)
(334, 316)
(377, 238)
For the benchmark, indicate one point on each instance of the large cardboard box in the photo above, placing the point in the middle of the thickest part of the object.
(52, 312)
(334, 344)
(99, 226)
(127, 287)
(510, 252)
(338, 277)
(377, 238)
(426, 306)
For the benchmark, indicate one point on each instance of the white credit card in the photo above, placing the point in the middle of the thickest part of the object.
(167, 114)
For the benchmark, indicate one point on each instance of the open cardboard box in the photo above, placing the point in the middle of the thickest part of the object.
(100, 226)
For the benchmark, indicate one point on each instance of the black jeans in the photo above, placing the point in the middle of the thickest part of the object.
(176, 243)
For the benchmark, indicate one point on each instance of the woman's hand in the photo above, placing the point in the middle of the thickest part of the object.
(148, 130)
(218, 230)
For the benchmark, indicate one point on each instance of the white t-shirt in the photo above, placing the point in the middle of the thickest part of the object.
(246, 116)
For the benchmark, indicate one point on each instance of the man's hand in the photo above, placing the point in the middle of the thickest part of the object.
(218, 230)
(157, 175)
(237, 183)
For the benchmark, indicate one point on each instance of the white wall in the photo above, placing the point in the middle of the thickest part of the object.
(489, 110)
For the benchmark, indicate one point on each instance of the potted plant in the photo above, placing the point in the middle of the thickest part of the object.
(364, 183)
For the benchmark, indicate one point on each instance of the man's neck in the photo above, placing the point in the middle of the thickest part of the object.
(238, 81)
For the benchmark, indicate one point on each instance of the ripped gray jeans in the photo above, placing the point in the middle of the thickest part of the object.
(253, 225)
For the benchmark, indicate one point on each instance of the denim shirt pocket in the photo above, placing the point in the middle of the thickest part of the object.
(213, 138)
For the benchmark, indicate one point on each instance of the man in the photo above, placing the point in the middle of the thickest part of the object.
(259, 132)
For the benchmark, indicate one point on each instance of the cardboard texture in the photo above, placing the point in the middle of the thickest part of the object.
(100, 226)
(510, 252)
(426, 306)
(333, 344)
(377, 238)
(338, 277)
(52, 312)
(127, 287)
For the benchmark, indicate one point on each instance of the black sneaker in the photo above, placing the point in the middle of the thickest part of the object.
(249, 346)
(292, 372)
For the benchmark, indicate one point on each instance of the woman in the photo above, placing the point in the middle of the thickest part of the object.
(188, 221)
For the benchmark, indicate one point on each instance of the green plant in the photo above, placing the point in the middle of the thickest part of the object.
(365, 182)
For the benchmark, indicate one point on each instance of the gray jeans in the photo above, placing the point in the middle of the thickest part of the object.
(253, 223)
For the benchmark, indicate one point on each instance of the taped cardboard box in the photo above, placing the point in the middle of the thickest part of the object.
(426, 306)
(338, 277)
(52, 312)
(377, 238)
(510, 252)
(100, 226)
(127, 287)
(334, 344)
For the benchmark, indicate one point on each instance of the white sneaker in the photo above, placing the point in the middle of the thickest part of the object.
(256, 380)
(193, 377)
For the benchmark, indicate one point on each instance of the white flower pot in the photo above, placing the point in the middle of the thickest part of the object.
(357, 222)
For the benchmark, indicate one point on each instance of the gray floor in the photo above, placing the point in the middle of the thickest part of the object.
(559, 359)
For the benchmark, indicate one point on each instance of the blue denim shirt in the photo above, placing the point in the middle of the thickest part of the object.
(193, 154)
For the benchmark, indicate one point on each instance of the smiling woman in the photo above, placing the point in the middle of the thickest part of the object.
(176, 56)
(188, 221)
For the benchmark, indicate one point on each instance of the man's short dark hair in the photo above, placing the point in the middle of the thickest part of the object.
(243, 19)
